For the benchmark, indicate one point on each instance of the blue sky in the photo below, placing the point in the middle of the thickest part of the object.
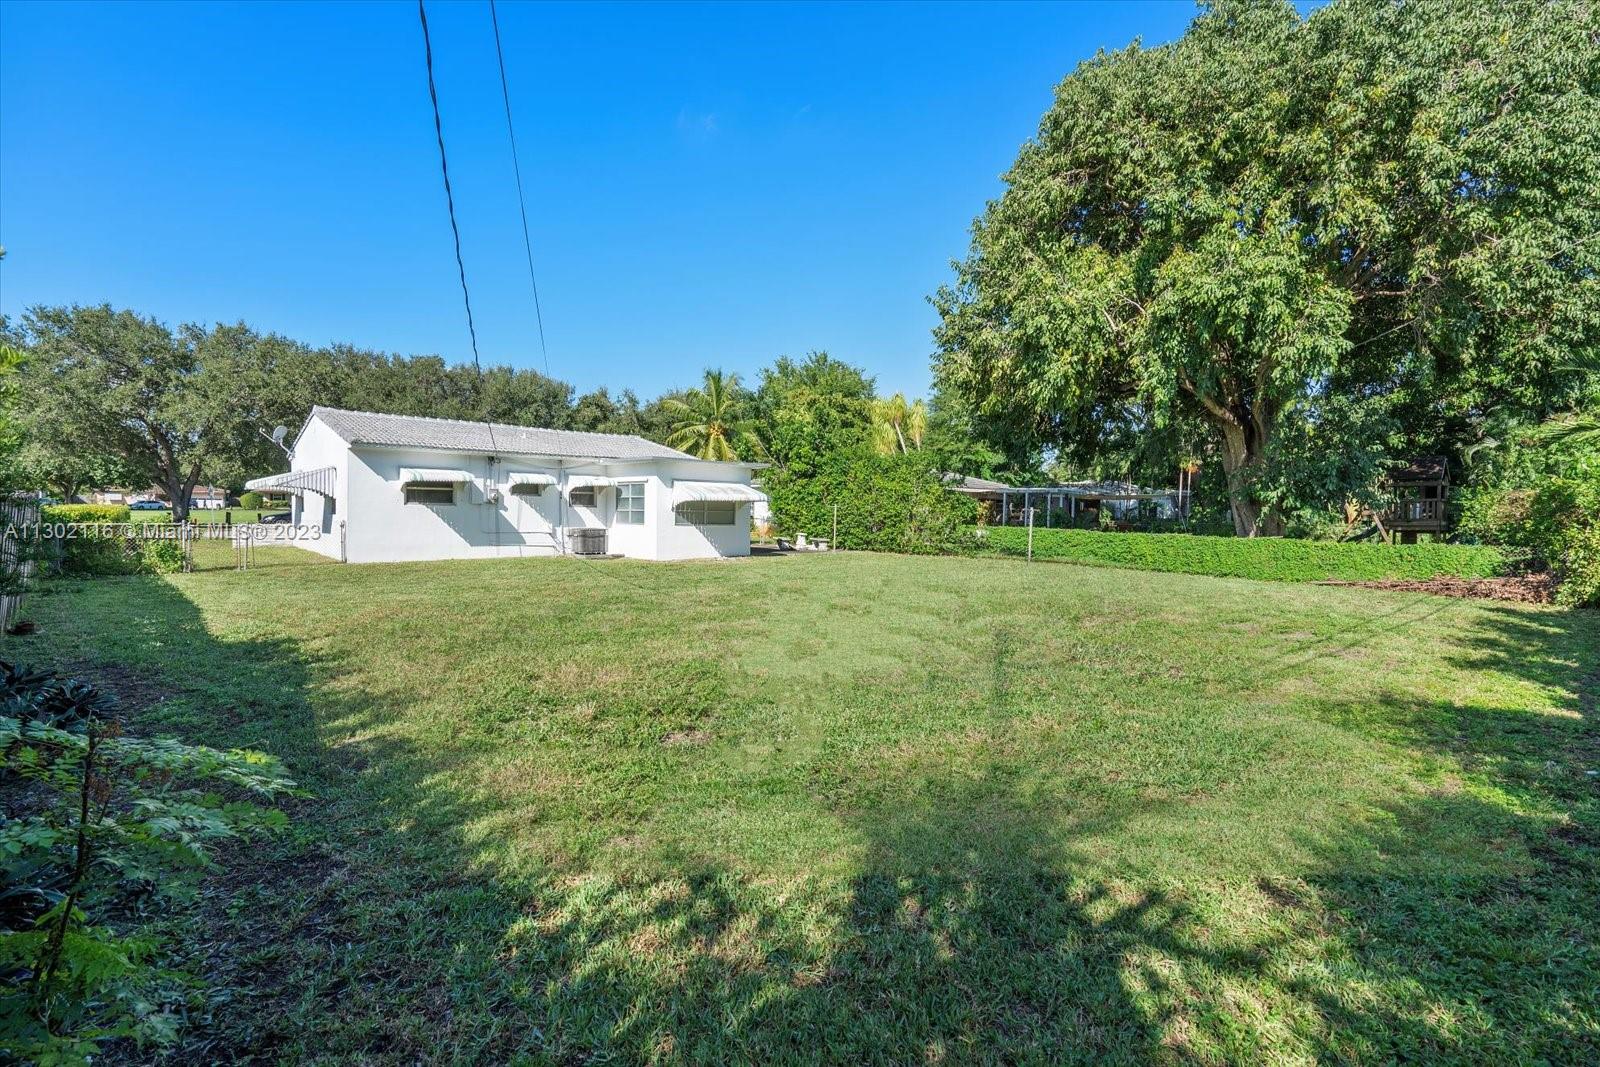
(707, 185)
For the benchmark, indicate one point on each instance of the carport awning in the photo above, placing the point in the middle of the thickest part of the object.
(321, 480)
(683, 492)
(587, 481)
(530, 478)
(433, 474)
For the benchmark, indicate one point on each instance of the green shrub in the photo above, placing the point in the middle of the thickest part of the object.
(1580, 571)
(895, 503)
(250, 501)
(84, 513)
(89, 555)
(161, 557)
(1265, 558)
(1555, 524)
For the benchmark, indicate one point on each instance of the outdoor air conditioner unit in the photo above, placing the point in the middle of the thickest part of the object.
(586, 541)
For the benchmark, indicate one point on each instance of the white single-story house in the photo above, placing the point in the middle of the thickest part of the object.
(400, 487)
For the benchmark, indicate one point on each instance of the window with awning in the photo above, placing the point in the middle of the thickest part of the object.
(686, 492)
(433, 474)
(529, 483)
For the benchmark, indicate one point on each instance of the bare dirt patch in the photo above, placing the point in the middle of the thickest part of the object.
(687, 737)
(1525, 589)
(134, 689)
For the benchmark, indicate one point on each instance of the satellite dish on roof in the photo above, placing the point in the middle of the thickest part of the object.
(278, 434)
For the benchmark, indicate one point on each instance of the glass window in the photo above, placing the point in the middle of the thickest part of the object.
(705, 513)
(630, 503)
(430, 492)
(583, 498)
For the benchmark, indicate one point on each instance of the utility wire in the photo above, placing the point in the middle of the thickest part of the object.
(449, 198)
(444, 168)
(455, 230)
(516, 166)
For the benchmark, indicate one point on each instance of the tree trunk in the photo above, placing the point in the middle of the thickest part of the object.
(177, 498)
(1242, 452)
(179, 489)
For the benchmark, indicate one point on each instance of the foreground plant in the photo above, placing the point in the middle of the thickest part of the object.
(99, 825)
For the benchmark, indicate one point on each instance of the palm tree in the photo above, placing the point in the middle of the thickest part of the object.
(710, 421)
(898, 426)
(1580, 428)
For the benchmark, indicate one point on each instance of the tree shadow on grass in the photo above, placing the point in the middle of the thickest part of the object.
(972, 928)
(1467, 915)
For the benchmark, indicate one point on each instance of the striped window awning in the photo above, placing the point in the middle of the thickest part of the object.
(433, 474)
(320, 481)
(684, 492)
(529, 478)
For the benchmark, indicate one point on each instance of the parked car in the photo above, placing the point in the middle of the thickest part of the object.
(147, 505)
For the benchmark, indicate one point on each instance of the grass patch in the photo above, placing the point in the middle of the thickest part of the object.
(1271, 559)
(207, 516)
(873, 809)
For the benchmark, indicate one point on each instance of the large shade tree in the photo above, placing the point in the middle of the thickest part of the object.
(136, 401)
(1322, 241)
(806, 408)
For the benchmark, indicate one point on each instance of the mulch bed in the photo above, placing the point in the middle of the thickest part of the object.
(1525, 589)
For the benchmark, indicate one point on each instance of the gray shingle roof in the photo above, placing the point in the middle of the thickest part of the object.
(417, 431)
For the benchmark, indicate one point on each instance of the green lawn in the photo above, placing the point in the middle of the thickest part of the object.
(854, 808)
(204, 515)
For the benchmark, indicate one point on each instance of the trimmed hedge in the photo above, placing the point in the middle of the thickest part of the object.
(1272, 559)
(894, 503)
(84, 513)
(92, 555)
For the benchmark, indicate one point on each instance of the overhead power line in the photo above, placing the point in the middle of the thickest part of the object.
(449, 198)
(522, 204)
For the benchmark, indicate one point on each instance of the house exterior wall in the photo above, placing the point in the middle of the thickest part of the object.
(318, 446)
(699, 542)
(487, 519)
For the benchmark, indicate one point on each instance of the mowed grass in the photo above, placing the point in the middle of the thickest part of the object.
(858, 808)
(208, 516)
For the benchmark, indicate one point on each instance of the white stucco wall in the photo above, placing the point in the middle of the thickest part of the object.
(699, 542)
(318, 446)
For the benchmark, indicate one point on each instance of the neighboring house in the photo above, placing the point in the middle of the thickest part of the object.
(400, 487)
(208, 498)
(1065, 504)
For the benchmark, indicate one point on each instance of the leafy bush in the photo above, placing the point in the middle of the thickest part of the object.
(1555, 524)
(1580, 571)
(84, 513)
(92, 552)
(1269, 559)
(100, 821)
(161, 557)
(251, 501)
(93, 556)
(893, 503)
